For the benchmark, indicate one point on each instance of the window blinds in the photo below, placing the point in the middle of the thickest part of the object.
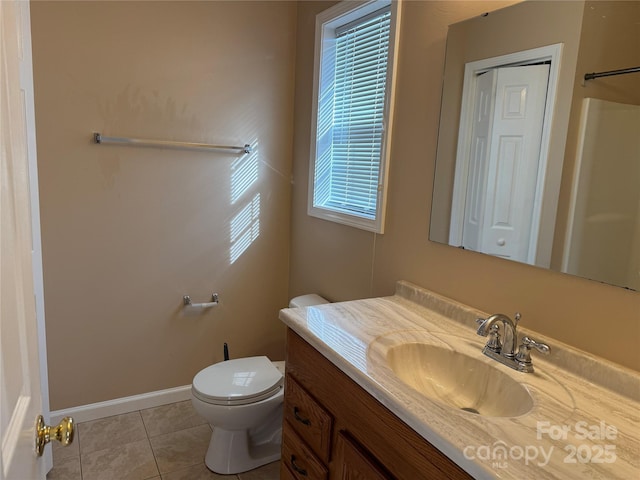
(350, 169)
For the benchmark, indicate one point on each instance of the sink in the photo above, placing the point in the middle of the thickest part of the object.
(458, 380)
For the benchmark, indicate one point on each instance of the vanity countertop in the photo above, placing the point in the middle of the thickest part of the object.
(585, 421)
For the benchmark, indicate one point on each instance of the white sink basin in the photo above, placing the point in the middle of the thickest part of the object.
(458, 380)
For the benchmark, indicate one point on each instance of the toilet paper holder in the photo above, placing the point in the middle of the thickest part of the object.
(186, 300)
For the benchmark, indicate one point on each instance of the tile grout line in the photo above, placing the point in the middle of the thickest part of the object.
(79, 453)
(146, 431)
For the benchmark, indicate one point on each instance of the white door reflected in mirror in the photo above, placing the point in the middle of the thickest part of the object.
(499, 186)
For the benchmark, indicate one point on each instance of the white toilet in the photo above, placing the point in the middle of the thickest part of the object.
(242, 401)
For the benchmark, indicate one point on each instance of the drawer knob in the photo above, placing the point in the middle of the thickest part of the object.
(301, 471)
(304, 421)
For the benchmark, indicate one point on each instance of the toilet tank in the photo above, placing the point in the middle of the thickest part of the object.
(307, 300)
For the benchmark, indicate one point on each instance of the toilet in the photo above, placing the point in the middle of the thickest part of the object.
(242, 401)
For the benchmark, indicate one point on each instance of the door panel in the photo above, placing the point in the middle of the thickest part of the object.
(514, 155)
(502, 215)
(477, 178)
(20, 385)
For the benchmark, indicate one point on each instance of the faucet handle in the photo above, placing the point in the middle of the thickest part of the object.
(523, 357)
(516, 319)
(541, 347)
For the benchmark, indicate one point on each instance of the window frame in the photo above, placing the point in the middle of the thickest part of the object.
(327, 22)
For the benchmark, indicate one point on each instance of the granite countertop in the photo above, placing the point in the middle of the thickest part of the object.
(585, 419)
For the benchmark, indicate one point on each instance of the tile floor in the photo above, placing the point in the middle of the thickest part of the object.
(162, 443)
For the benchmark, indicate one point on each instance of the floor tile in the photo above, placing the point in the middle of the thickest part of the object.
(196, 472)
(131, 461)
(270, 471)
(61, 452)
(170, 440)
(109, 432)
(66, 469)
(177, 450)
(170, 418)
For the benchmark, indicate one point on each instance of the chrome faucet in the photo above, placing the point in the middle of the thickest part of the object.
(508, 345)
(504, 351)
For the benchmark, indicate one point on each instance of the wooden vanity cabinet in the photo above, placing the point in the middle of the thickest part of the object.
(352, 461)
(333, 429)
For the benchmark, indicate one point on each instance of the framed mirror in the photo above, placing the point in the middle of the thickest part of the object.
(535, 163)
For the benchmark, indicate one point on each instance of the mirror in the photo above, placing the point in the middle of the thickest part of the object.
(536, 164)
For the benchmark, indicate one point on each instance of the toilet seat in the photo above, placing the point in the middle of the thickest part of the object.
(238, 382)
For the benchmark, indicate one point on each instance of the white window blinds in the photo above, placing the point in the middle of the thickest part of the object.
(351, 117)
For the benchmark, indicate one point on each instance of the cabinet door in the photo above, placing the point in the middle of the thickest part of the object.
(354, 463)
(299, 459)
(308, 418)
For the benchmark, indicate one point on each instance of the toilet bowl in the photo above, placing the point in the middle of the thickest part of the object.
(242, 400)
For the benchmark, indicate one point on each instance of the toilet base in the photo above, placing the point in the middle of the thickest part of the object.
(233, 452)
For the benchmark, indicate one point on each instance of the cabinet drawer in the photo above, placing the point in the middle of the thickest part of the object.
(298, 458)
(308, 418)
(285, 473)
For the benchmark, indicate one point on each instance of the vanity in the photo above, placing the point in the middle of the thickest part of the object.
(398, 387)
(333, 423)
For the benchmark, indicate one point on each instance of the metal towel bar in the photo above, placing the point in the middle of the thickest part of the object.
(100, 139)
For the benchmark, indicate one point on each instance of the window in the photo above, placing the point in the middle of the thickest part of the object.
(351, 132)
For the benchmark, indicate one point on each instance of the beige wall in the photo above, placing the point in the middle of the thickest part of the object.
(128, 231)
(343, 263)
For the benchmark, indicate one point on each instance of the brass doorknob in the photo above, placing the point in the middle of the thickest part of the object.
(44, 433)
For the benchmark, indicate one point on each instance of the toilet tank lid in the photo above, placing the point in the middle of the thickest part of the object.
(307, 300)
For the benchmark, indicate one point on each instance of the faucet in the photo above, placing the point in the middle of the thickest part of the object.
(505, 351)
(510, 337)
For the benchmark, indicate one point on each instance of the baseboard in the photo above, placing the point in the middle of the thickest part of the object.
(118, 406)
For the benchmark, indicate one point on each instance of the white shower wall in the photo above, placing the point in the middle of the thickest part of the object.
(603, 235)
